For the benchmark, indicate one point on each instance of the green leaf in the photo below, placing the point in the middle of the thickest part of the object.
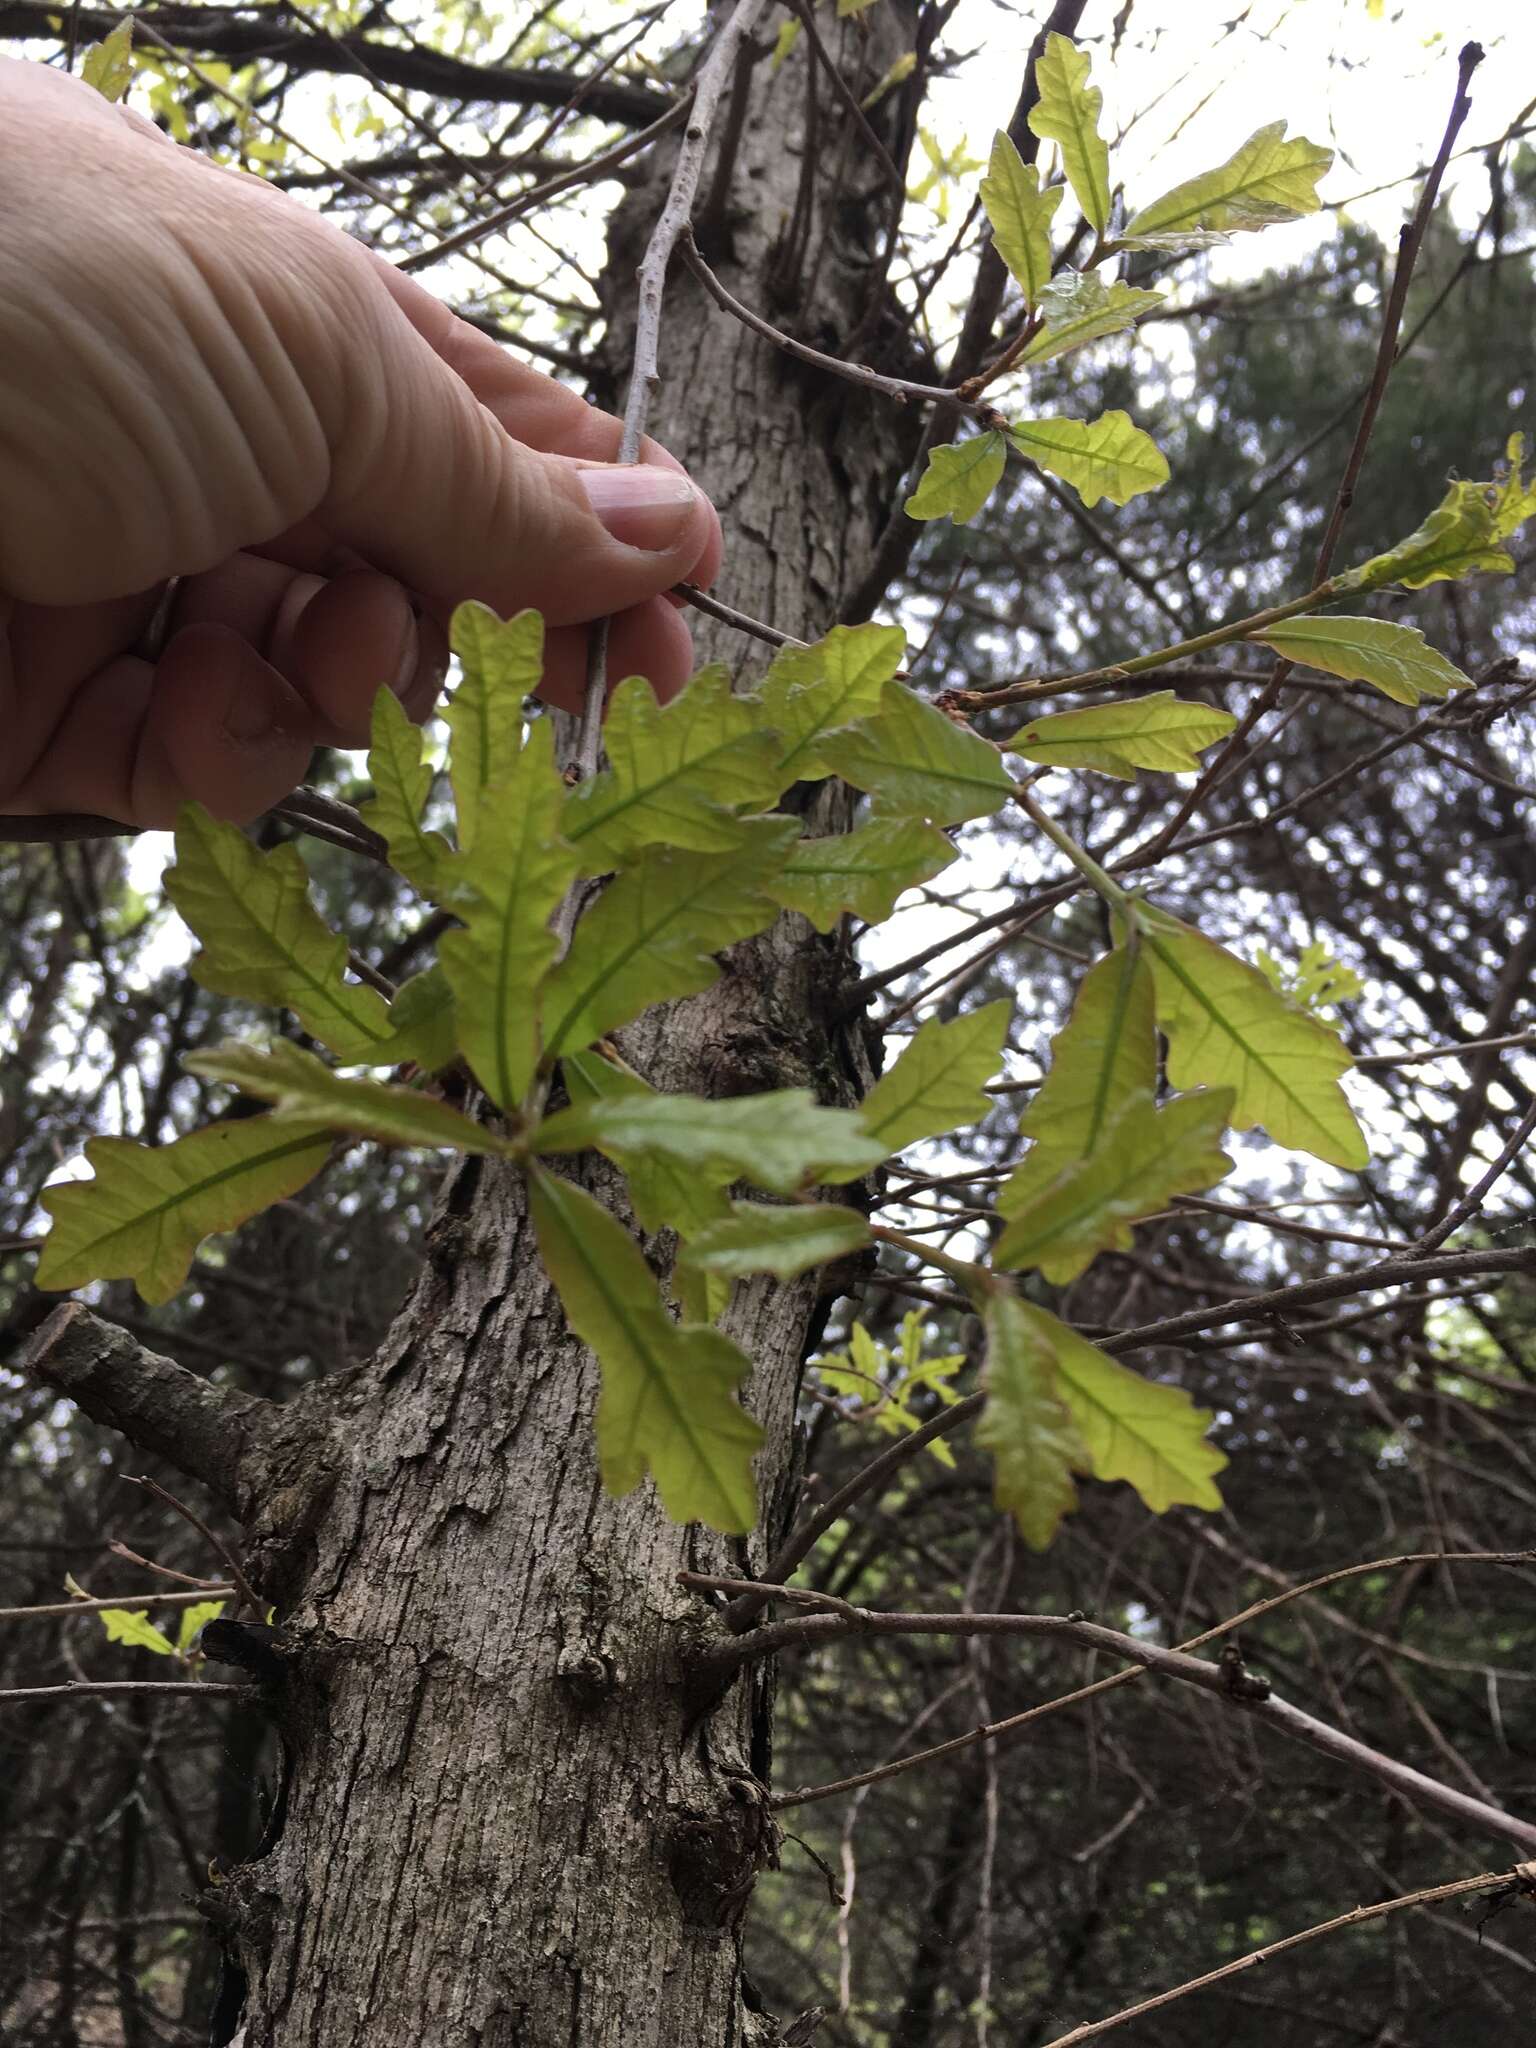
(668, 1403)
(1142, 1431)
(664, 1194)
(1102, 1059)
(1160, 731)
(674, 772)
(780, 1141)
(652, 935)
(304, 1090)
(402, 782)
(1146, 1155)
(149, 1207)
(917, 763)
(1269, 179)
(503, 662)
(423, 1027)
(885, 1383)
(1021, 216)
(864, 870)
(507, 890)
(1460, 537)
(1227, 1028)
(134, 1627)
(936, 1083)
(1026, 1425)
(783, 43)
(959, 479)
(194, 1620)
(810, 693)
(1067, 113)
(1317, 982)
(757, 1238)
(701, 1297)
(108, 65)
(1109, 457)
(1079, 307)
(264, 940)
(1398, 660)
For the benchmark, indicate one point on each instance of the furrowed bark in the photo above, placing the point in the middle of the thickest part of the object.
(508, 1820)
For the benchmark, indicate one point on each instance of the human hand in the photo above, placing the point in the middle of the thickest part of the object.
(206, 381)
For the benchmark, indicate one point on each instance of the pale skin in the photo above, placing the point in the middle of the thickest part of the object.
(203, 380)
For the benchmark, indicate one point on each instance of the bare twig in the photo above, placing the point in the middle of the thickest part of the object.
(249, 1597)
(112, 1688)
(153, 1598)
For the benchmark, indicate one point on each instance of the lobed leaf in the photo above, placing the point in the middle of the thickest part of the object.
(1227, 1028)
(668, 1403)
(1142, 1431)
(302, 1089)
(402, 782)
(506, 890)
(423, 1024)
(1079, 307)
(1021, 216)
(665, 1195)
(1145, 1155)
(959, 479)
(937, 1081)
(781, 1141)
(108, 65)
(916, 762)
(1269, 179)
(1026, 1425)
(503, 662)
(812, 693)
(1067, 113)
(262, 938)
(653, 933)
(674, 772)
(149, 1207)
(759, 1238)
(134, 1627)
(1464, 534)
(864, 871)
(1109, 457)
(1159, 731)
(1398, 660)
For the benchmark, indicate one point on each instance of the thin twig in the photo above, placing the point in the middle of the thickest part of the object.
(248, 1594)
(111, 1688)
(149, 1599)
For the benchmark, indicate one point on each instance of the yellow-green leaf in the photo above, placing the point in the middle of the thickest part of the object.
(1105, 1055)
(1227, 1028)
(1268, 179)
(781, 1141)
(1142, 1431)
(134, 1627)
(674, 772)
(194, 1620)
(1109, 457)
(263, 939)
(423, 1026)
(1026, 1425)
(1080, 307)
(937, 1081)
(759, 1238)
(108, 65)
(864, 870)
(664, 1194)
(783, 43)
(1464, 533)
(503, 662)
(1067, 113)
(812, 692)
(1021, 216)
(959, 479)
(149, 1207)
(402, 782)
(302, 1089)
(654, 932)
(506, 889)
(1159, 731)
(1398, 660)
(668, 1403)
(1145, 1156)
(916, 762)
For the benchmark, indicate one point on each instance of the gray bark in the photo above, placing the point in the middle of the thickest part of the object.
(507, 1822)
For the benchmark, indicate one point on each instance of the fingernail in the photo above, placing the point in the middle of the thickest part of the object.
(641, 506)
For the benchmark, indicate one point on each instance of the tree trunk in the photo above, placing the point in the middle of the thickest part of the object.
(506, 1823)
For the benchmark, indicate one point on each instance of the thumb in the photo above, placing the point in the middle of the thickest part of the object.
(429, 486)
